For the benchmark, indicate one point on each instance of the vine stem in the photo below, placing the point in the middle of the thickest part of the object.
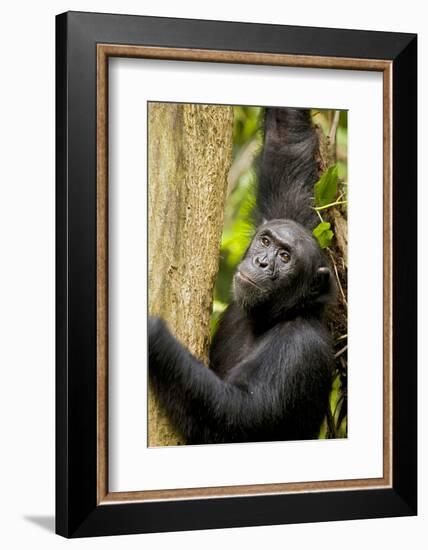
(337, 277)
(319, 215)
(330, 205)
(332, 136)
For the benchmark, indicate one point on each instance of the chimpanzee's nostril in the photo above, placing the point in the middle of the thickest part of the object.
(263, 263)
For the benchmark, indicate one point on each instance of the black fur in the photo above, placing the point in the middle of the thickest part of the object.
(271, 359)
(289, 168)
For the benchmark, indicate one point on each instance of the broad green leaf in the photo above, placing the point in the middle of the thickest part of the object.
(326, 187)
(323, 234)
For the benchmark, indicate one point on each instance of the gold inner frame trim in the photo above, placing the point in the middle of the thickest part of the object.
(104, 51)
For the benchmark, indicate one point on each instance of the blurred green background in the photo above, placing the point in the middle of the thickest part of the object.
(238, 229)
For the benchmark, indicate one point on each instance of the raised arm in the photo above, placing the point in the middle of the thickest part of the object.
(288, 167)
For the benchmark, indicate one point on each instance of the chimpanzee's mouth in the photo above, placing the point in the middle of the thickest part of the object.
(247, 279)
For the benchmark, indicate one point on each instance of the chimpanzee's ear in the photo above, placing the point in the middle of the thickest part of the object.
(323, 288)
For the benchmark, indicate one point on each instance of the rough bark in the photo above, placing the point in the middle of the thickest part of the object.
(190, 149)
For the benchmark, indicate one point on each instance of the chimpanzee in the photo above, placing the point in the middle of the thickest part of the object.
(271, 360)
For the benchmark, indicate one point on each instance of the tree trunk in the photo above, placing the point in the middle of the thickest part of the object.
(190, 149)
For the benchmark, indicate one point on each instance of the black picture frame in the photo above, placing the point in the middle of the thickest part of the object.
(78, 511)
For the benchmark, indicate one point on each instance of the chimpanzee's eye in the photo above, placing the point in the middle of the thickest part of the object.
(265, 241)
(285, 256)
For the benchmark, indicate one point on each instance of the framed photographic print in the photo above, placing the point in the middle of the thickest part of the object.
(236, 274)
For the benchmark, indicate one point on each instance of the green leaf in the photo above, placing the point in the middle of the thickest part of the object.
(323, 234)
(326, 187)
